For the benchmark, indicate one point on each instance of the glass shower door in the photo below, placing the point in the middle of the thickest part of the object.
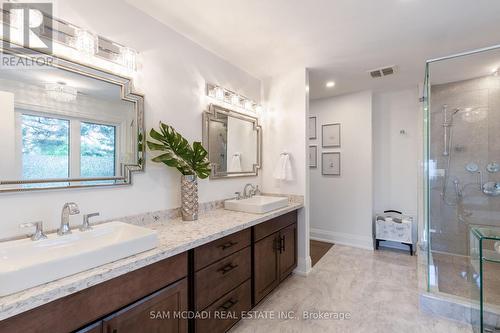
(462, 169)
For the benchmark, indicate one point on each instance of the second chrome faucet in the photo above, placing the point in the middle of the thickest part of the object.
(69, 208)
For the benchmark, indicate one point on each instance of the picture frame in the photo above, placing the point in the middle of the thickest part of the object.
(312, 128)
(313, 156)
(330, 135)
(330, 164)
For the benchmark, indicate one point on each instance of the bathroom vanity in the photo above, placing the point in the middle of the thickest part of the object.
(187, 284)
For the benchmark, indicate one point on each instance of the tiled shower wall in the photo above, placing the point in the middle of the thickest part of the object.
(476, 141)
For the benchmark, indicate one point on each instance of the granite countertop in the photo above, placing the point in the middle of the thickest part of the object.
(175, 236)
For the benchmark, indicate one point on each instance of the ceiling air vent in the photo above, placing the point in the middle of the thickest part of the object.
(381, 72)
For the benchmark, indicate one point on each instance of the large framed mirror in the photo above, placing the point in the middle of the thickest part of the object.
(233, 141)
(67, 125)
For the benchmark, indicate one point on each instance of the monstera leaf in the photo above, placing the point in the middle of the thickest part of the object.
(178, 153)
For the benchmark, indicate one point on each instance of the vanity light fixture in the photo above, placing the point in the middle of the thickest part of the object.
(249, 105)
(330, 84)
(85, 42)
(128, 58)
(71, 37)
(235, 100)
(219, 93)
(232, 98)
(61, 92)
(494, 72)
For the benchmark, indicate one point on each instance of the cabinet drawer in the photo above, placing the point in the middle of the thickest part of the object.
(159, 312)
(225, 312)
(218, 249)
(221, 277)
(266, 228)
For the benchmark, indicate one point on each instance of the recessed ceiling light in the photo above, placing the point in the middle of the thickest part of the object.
(330, 84)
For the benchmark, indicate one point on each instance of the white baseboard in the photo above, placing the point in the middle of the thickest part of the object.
(363, 242)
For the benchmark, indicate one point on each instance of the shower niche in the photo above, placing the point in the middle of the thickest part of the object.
(462, 178)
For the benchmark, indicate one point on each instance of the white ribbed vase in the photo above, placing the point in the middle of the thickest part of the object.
(189, 197)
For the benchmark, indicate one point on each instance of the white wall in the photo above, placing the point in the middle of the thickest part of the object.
(284, 130)
(8, 141)
(395, 164)
(173, 75)
(341, 206)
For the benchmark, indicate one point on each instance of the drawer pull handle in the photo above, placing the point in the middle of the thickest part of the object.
(282, 241)
(228, 304)
(226, 269)
(277, 244)
(227, 245)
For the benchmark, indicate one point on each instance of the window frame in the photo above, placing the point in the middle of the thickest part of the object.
(74, 151)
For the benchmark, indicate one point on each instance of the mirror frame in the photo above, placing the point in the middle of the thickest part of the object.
(212, 113)
(127, 94)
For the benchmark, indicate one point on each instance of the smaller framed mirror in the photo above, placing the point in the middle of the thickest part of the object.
(233, 141)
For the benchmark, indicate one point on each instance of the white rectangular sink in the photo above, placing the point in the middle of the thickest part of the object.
(26, 263)
(258, 204)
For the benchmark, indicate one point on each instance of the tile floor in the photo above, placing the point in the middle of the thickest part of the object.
(378, 290)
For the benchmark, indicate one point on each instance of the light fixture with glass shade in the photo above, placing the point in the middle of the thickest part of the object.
(128, 58)
(234, 99)
(61, 92)
(85, 42)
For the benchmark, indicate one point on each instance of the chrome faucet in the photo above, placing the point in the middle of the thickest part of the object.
(38, 234)
(86, 223)
(247, 194)
(69, 208)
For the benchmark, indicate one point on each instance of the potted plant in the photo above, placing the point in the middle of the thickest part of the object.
(191, 161)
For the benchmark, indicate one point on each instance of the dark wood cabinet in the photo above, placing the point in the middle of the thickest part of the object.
(275, 255)
(162, 312)
(219, 278)
(226, 312)
(209, 253)
(287, 251)
(266, 261)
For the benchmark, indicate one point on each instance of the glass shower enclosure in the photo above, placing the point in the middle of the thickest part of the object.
(462, 181)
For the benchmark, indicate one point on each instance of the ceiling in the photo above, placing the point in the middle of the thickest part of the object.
(337, 40)
(84, 84)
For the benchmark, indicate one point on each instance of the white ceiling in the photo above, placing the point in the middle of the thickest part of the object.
(84, 85)
(337, 40)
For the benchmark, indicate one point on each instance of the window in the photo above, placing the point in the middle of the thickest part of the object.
(53, 148)
(97, 150)
(45, 147)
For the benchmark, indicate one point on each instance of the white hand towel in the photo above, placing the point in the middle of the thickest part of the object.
(235, 163)
(283, 170)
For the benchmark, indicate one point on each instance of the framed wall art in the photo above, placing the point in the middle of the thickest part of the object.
(330, 164)
(330, 135)
(312, 128)
(313, 156)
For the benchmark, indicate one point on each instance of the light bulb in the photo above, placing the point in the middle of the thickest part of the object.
(85, 42)
(248, 105)
(219, 93)
(128, 58)
(235, 99)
